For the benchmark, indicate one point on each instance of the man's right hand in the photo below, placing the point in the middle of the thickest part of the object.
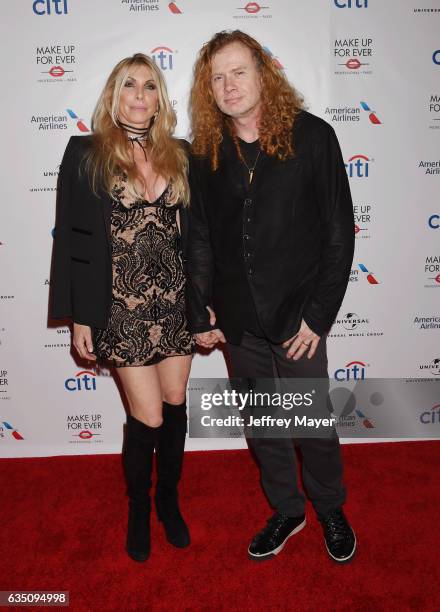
(210, 338)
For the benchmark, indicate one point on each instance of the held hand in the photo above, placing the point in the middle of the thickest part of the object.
(304, 341)
(209, 339)
(212, 317)
(82, 341)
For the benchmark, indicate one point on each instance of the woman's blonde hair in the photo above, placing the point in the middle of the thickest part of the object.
(280, 103)
(112, 154)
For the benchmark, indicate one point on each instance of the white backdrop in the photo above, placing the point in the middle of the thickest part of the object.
(369, 67)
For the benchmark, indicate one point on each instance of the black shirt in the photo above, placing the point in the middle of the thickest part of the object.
(301, 241)
(250, 151)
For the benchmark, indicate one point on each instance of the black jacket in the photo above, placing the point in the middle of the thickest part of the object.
(81, 278)
(290, 236)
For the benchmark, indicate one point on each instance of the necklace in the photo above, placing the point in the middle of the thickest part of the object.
(140, 136)
(251, 170)
(139, 133)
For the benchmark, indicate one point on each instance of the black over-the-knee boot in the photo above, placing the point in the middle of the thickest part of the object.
(140, 441)
(169, 457)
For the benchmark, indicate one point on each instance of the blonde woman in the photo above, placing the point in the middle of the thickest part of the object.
(118, 273)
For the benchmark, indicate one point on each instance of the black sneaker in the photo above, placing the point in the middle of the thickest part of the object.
(271, 539)
(339, 537)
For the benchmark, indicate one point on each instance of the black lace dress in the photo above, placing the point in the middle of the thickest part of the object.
(147, 317)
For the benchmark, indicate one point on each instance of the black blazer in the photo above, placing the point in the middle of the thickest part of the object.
(81, 277)
(290, 236)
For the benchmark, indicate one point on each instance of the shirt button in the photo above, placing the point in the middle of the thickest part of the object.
(246, 236)
(250, 271)
(248, 202)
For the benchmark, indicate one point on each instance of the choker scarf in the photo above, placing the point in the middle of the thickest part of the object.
(140, 135)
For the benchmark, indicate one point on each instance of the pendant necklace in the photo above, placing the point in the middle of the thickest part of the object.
(251, 170)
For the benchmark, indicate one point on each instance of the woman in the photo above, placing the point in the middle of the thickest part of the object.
(118, 273)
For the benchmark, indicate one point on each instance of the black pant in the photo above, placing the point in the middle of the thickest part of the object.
(256, 357)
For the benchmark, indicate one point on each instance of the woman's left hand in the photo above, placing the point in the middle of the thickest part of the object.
(82, 341)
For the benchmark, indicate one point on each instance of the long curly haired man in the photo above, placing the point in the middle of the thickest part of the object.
(280, 103)
(269, 259)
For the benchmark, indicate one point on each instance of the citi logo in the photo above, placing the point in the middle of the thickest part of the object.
(371, 114)
(355, 370)
(274, 59)
(163, 56)
(83, 381)
(79, 122)
(49, 7)
(14, 433)
(358, 166)
(434, 221)
(432, 416)
(351, 3)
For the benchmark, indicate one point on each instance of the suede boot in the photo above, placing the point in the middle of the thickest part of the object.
(169, 458)
(140, 441)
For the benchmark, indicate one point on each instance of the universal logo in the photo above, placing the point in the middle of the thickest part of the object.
(63, 333)
(433, 367)
(47, 174)
(351, 325)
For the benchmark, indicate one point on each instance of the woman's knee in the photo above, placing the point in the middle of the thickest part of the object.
(151, 420)
(175, 396)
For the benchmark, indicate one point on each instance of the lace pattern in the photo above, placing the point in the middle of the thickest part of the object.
(147, 317)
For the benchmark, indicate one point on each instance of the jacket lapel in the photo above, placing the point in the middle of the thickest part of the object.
(105, 204)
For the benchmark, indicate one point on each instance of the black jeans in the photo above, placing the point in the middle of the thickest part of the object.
(256, 357)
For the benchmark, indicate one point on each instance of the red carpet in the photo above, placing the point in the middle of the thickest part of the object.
(63, 522)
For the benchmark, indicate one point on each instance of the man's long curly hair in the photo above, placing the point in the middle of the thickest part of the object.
(280, 103)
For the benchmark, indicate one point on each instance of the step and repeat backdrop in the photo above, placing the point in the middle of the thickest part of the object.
(371, 68)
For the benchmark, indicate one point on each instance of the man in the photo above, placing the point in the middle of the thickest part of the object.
(270, 251)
